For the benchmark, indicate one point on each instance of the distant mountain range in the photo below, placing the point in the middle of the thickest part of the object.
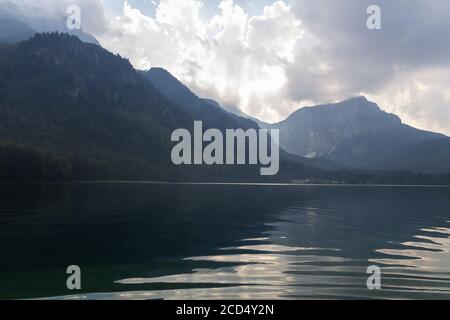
(73, 110)
(356, 133)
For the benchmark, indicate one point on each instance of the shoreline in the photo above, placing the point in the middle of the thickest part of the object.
(280, 184)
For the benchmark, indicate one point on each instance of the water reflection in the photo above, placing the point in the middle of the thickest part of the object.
(138, 241)
(279, 267)
(294, 272)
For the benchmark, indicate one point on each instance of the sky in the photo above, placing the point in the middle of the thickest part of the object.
(208, 10)
(268, 58)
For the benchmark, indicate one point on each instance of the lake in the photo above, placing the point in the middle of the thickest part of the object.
(193, 241)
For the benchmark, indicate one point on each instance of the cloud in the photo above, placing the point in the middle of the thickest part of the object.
(421, 97)
(49, 15)
(237, 59)
(388, 65)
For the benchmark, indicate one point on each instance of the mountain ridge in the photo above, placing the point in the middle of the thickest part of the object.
(212, 114)
(73, 110)
(355, 133)
(78, 100)
(62, 99)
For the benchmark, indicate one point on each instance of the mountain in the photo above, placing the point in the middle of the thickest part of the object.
(80, 34)
(432, 156)
(13, 31)
(72, 109)
(209, 111)
(214, 115)
(79, 101)
(355, 133)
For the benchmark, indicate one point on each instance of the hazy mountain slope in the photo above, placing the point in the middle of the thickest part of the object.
(378, 150)
(431, 156)
(320, 163)
(355, 133)
(209, 111)
(214, 116)
(12, 31)
(16, 29)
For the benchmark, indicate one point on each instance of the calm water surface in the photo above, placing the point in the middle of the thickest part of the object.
(156, 241)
